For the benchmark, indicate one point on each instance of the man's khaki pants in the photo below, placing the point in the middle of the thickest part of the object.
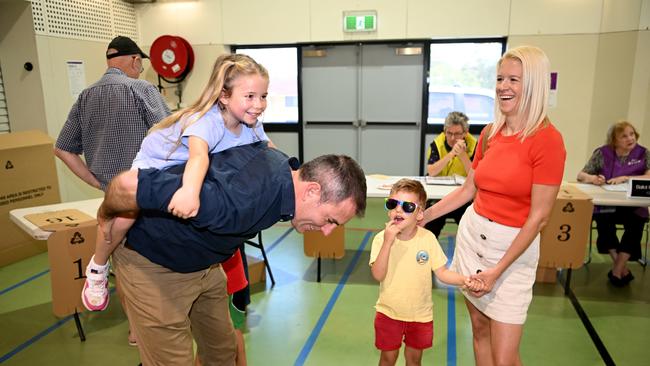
(167, 308)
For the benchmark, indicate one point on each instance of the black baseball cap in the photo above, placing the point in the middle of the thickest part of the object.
(124, 46)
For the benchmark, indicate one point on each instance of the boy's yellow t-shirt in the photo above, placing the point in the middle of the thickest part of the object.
(405, 292)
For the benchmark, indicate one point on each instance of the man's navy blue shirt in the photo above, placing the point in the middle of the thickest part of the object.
(246, 189)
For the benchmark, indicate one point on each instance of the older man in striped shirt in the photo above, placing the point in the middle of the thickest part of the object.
(111, 117)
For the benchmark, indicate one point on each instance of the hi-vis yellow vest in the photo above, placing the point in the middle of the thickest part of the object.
(455, 166)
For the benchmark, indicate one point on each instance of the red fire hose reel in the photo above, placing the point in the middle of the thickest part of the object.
(172, 58)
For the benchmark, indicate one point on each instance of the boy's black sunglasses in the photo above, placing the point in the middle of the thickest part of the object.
(407, 206)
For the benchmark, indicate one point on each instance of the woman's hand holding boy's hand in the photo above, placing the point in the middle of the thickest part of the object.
(488, 277)
(184, 204)
(473, 285)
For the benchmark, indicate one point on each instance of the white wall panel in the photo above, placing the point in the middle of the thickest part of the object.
(639, 109)
(620, 15)
(263, 21)
(22, 89)
(529, 17)
(644, 21)
(199, 22)
(611, 83)
(461, 18)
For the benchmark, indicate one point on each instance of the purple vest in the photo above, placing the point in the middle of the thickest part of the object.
(634, 164)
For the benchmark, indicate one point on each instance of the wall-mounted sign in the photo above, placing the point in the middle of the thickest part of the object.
(360, 21)
(76, 77)
(552, 96)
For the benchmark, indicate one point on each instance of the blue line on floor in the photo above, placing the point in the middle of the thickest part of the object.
(278, 240)
(451, 309)
(24, 282)
(35, 338)
(309, 344)
(40, 335)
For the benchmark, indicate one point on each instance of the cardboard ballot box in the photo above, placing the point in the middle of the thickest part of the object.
(70, 247)
(318, 245)
(564, 238)
(27, 179)
(256, 270)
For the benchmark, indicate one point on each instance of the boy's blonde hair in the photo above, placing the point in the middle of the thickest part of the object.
(411, 186)
(226, 70)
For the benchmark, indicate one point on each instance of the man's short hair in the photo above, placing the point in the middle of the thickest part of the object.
(340, 178)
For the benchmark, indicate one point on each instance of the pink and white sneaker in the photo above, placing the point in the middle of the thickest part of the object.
(95, 294)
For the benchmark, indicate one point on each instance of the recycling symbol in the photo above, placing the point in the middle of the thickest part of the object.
(77, 238)
(9, 165)
(568, 207)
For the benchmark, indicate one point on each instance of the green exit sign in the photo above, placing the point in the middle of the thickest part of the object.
(360, 22)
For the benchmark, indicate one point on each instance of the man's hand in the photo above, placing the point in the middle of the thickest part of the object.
(459, 148)
(184, 203)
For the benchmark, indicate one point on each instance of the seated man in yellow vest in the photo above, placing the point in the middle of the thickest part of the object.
(451, 153)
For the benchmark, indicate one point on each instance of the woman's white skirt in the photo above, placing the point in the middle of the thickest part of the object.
(480, 244)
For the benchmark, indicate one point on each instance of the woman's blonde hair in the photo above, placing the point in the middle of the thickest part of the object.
(536, 82)
(617, 129)
(226, 70)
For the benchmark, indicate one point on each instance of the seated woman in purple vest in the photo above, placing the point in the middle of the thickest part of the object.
(615, 163)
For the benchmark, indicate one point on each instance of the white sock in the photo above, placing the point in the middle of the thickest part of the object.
(96, 268)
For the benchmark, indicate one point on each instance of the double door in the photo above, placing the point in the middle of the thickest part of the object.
(365, 101)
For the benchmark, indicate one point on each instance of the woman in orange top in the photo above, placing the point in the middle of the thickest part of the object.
(514, 181)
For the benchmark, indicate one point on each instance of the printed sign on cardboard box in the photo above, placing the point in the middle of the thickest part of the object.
(70, 247)
(564, 238)
(27, 179)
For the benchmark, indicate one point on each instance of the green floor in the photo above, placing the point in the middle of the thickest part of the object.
(301, 321)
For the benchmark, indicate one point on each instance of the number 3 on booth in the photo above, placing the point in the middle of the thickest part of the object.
(565, 233)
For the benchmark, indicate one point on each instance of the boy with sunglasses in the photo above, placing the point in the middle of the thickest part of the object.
(402, 259)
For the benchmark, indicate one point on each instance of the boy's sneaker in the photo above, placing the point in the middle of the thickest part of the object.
(95, 292)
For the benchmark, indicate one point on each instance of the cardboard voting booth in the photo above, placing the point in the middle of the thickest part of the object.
(256, 270)
(27, 179)
(564, 239)
(317, 245)
(70, 247)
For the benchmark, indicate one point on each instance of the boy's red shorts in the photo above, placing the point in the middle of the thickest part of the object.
(389, 333)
